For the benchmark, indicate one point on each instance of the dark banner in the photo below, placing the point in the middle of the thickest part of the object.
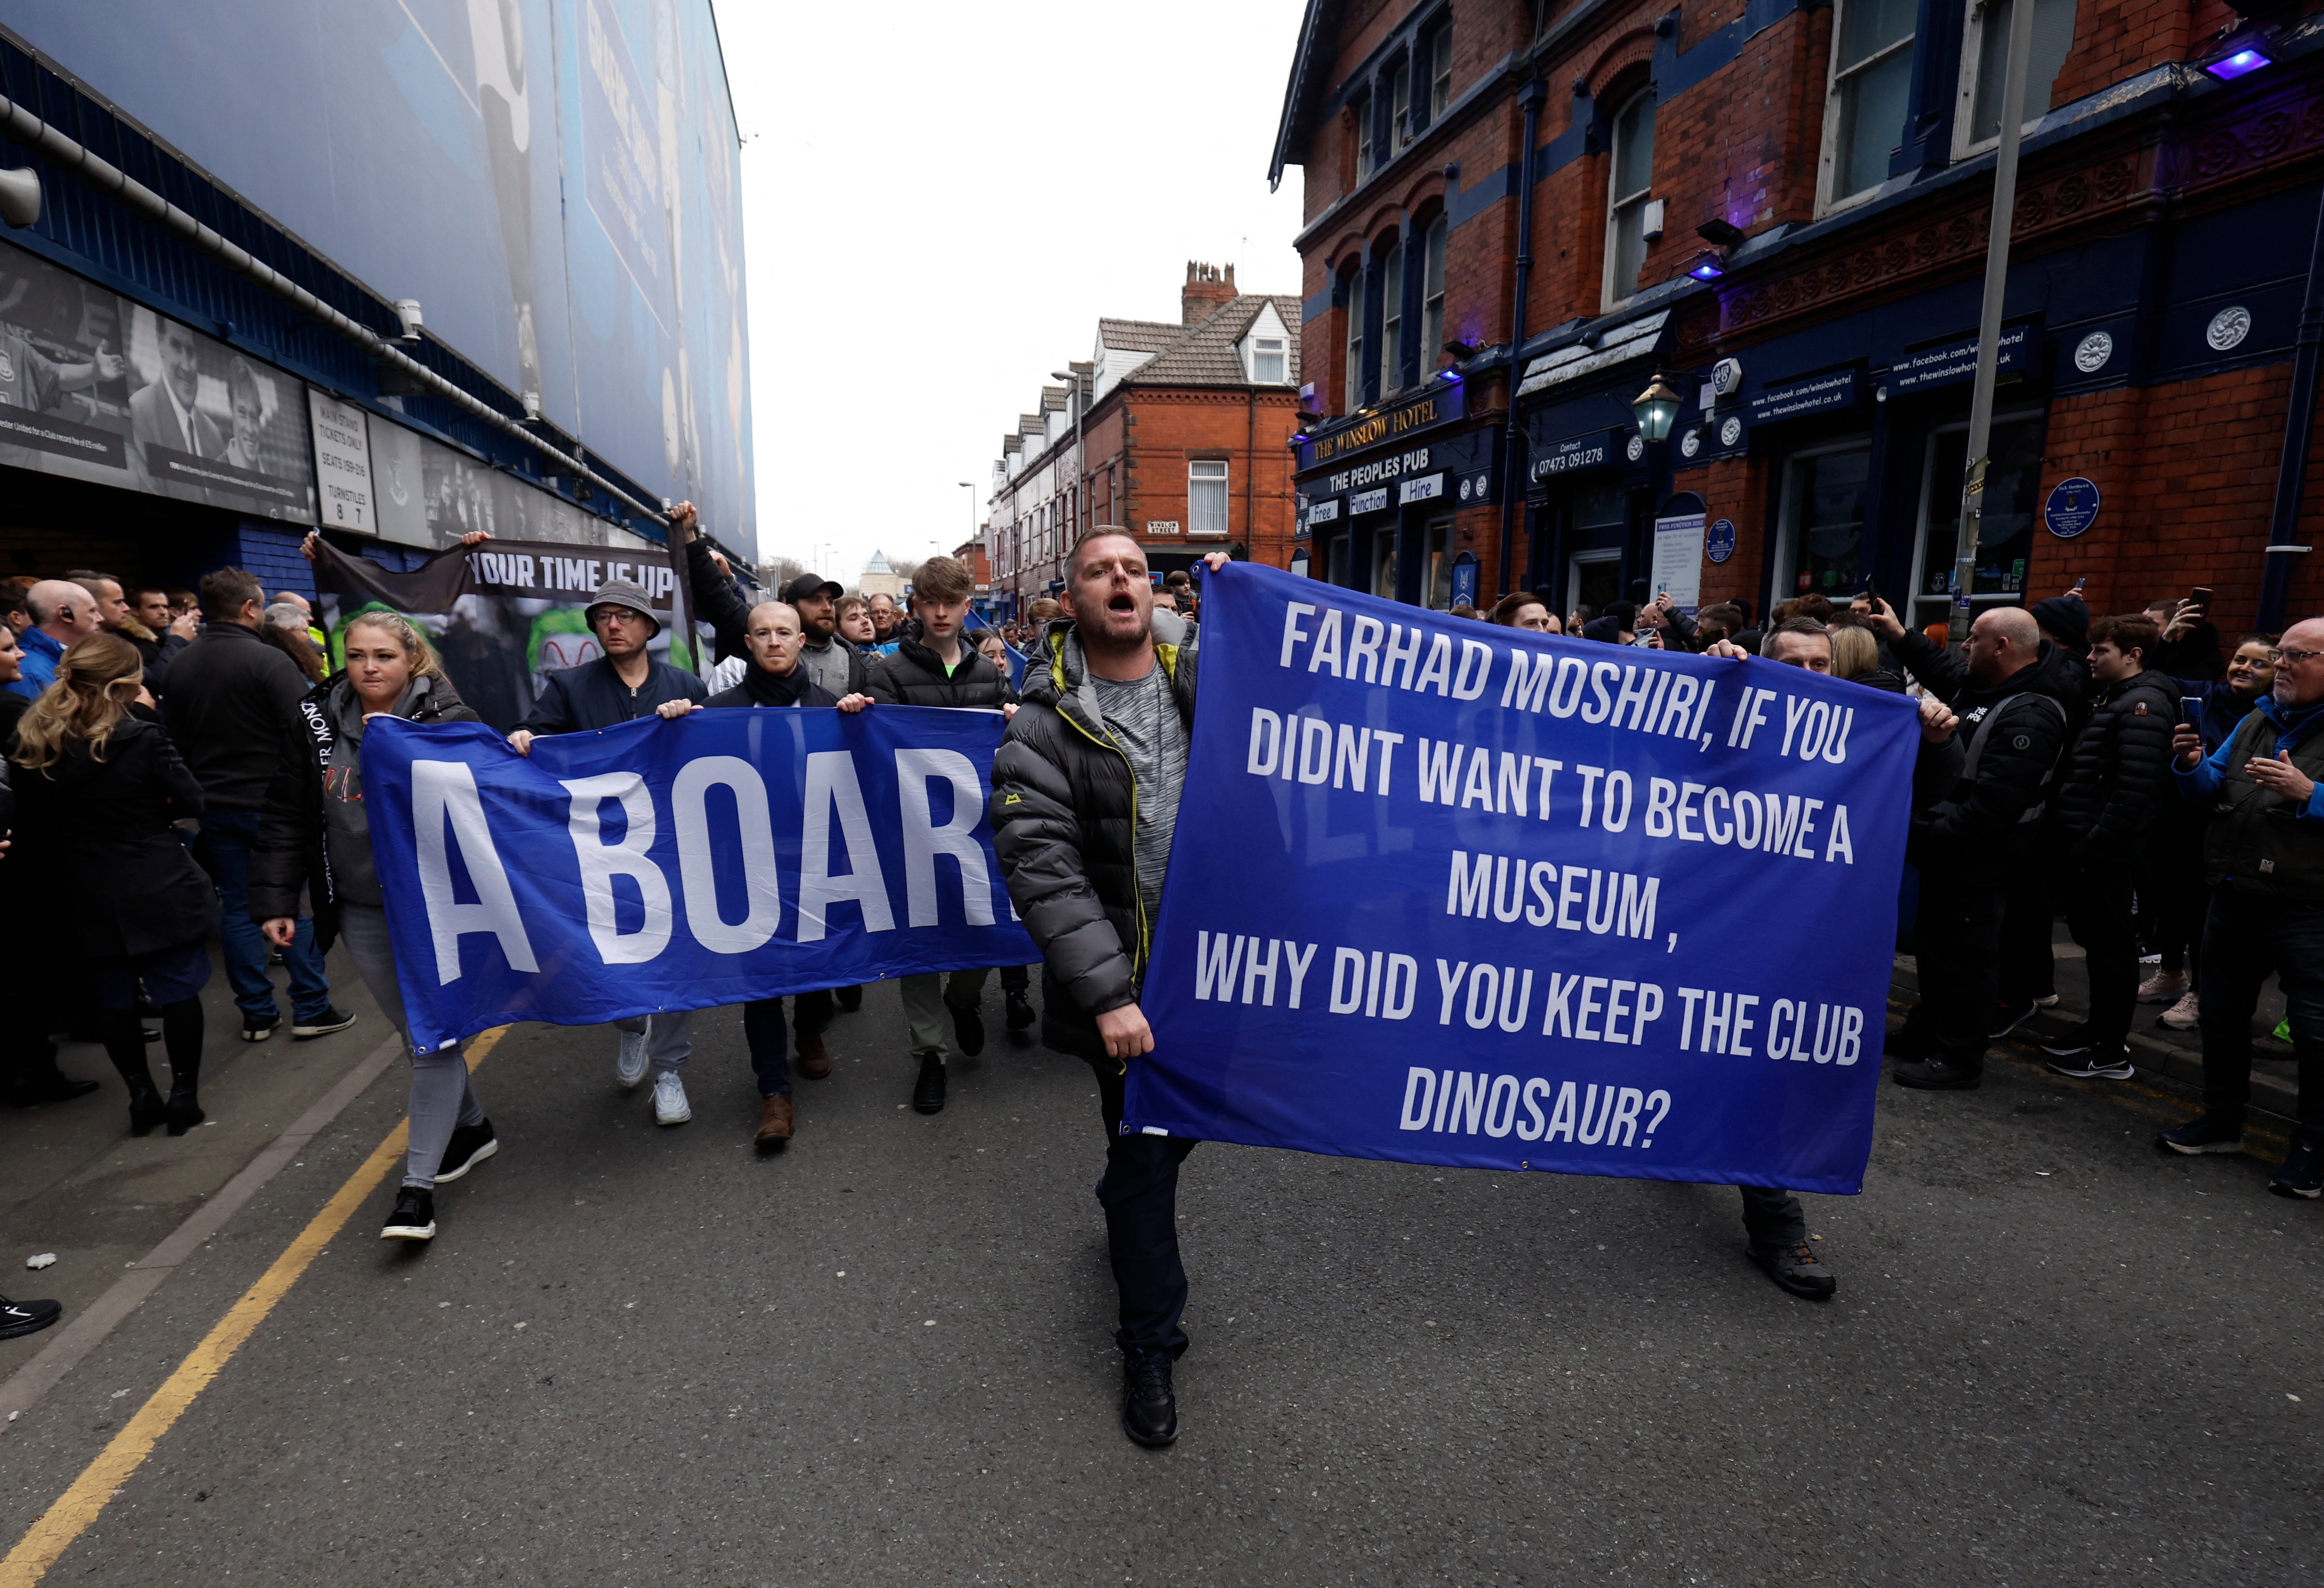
(504, 614)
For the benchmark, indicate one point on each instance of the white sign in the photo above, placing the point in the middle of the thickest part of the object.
(342, 464)
(1367, 501)
(1678, 559)
(1161, 525)
(1427, 489)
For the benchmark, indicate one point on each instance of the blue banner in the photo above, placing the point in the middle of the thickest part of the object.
(1507, 901)
(657, 865)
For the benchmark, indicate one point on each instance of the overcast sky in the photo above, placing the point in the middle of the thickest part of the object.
(940, 201)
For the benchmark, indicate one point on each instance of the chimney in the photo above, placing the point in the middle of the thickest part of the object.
(1208, 289)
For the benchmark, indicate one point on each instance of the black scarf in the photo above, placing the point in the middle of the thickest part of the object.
(766, 689)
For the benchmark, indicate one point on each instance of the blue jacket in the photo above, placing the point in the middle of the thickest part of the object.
(593, 696)
(2201, 785)
(41, 655)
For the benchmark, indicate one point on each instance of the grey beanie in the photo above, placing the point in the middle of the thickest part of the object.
(622, 592)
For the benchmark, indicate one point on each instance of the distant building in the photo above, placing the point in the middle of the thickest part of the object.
(971, 555)
(879, 579)
(1182, 439)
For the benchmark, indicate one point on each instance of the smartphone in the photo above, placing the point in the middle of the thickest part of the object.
(1871, 593)
(2080, 583)
(2191, 711)
(2201, 596)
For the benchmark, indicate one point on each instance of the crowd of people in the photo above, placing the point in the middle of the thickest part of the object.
(191, 766)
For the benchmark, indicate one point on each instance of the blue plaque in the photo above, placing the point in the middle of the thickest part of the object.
(2073, 508)
(1464, 579)
(1719, 540)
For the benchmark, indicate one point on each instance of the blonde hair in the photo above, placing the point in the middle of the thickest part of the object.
(416, 648)
(97, 678)
(1854, 652)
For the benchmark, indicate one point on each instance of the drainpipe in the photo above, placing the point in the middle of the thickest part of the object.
(1513, 483)
(2299, 430)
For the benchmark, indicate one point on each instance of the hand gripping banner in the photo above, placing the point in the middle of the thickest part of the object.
(662, 865)
(1450, 893)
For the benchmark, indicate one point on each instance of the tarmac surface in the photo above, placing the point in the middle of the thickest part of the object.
(637, 1354)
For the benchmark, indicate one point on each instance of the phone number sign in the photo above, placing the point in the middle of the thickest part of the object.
(2073, 508)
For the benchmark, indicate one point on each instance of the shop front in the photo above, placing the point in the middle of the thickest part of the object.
(1389, 501)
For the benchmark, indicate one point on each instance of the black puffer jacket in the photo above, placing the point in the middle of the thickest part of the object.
(913, 676)
(293, 849)
(1062, 824)
(1992, 820)
(2116, 787)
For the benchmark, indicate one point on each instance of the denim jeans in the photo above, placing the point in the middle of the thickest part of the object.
(2245, 939)
(228, 836)
(763, 1028)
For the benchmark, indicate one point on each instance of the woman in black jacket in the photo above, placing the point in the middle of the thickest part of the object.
(316, 835)
(97, 785)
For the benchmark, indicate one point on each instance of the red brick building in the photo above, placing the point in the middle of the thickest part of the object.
(1177, 432)
(1783, 206)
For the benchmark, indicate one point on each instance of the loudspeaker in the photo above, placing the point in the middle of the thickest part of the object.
(19, 197)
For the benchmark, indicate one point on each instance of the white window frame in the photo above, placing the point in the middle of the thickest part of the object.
(1965, 97)
(1224, 481)
(1619, 205)
(1398, 84)
(1913, 599)
(1433, 245)
(1277, 347)
(1354, 384)
(1392, 319)
(1787, 521)
(1440, 71)
(1828, 162)
(1576, 561)
(1367, 157)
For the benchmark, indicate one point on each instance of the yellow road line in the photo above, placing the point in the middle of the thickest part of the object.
(102, 1479)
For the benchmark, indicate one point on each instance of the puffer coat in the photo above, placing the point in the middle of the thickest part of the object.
(2115, 787)
(1064, 825)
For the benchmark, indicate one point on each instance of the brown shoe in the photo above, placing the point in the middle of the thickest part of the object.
(774, 1122)
(814, 1060)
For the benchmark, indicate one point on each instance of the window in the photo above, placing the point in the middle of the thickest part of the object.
(1986, 61)
(1626, 196)
(1392, 319)
(1871, 82)
(1383, 563)
(1399, 104)
(1823, 523)
(1271, 362)
(1206, 498)
(1431, 295)
(1440, 71)
(1436, 552)
(1362, 111)
(1355, 295)
(2013, 503)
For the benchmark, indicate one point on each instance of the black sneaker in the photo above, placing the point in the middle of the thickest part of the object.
(2095, 1063)
(2072, 1044)
(849, 999)
(257, 1028)
(1020, 1011)
(928, 1091)
(27, 1318)
(1796, 1269)
(2007, 1017)
(2206, 1132)
(1936, 1075)
(322, 1025)
(2302, 1174)
(414, 1218)
(471, 1144)
(1149, 1410)
(967, 1027)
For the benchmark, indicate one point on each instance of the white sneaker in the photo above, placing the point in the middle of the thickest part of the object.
(2163, 986)
(630, 1063)
(669, 1099)
(2181, 1016)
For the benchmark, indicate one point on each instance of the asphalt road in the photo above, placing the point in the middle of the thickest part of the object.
(647, 1355)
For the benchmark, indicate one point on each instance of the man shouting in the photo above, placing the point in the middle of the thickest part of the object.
(1084, 798)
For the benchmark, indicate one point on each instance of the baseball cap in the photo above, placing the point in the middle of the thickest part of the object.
(807, 586)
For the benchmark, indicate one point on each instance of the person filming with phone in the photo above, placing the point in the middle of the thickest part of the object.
(2264, 860)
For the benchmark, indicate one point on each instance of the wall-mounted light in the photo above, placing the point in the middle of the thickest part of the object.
(19, 197)
(2237, 63)
(1464, 349)
(1719, 233)
(1707, 266)
(1657, 408)
(407, 313)
(1451, 377)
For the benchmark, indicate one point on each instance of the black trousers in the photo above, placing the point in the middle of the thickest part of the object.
(1140, 1194)
(763, 1028)
(1772, 1216)
(1957, 940)
(2098, 912)
(2028, 964)
(2245, 940)
(1016, 979)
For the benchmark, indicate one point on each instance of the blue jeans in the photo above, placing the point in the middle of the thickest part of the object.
(228, 836)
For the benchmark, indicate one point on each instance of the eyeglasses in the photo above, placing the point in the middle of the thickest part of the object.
(2291, 658)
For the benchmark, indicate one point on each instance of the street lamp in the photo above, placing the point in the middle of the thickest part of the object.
(1657, 409)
